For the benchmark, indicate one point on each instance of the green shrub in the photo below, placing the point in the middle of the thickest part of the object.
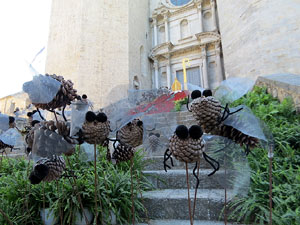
(284, 125)
(22, 202)
(179, 103)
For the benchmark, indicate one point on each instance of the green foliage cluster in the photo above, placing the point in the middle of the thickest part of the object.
(284, 124)
(179, 103)
(22, 202)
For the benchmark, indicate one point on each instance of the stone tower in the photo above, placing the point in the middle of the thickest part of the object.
(96, 44)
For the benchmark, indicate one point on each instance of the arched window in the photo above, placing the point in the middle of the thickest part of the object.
(180, 2)
(184, 29)
(143, 61)
(161, 36)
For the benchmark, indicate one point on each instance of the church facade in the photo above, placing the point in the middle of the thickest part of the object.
(185, 29)
(108, 47)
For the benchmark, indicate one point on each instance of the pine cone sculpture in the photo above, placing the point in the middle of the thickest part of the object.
(29, 138)
(64, 96)
(187, 145)
(48, 169)
(132, 133)
(154, 141)
(96, 128)
(3, 146)
(122, 153)
(235, 135)
(12, 123)
(207, 111)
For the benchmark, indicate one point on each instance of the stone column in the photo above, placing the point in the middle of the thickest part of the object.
(166, 28)
(213, 12)
(200, 17)
(155, 32)
(168, 65)
(156, 72)
(204, 67)
(219, 63)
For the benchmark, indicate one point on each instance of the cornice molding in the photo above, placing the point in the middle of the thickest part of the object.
(200, 42)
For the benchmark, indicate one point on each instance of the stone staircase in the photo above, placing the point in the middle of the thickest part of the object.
(168, 203)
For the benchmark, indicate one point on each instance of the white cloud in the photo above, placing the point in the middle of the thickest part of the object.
(24, 28)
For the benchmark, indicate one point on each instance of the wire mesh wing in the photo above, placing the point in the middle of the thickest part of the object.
(12, 137)
(246, 122)
(78, 112)
(4, 122)
(233, 89)
(233, 162)
(48, 143)
(42, 89)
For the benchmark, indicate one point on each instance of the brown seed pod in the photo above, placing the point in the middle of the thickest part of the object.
(65, 95)
(207, 111)
(132, 133)
(122, 153)
(95, 132)
(56, 166)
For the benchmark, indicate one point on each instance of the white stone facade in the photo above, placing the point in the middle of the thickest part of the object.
(187, 31)
(260, 37)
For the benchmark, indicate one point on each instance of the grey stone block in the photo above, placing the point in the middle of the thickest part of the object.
(173, 204)
(176, 179)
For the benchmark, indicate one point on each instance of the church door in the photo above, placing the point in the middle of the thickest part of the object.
(193, 76)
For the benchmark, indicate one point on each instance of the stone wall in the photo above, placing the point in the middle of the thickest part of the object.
(281, 86)
(88, 43)
(260, 37)
(139, 45)
(9, 103)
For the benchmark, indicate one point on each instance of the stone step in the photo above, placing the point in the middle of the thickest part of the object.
(184, 222)
(176, 179)
(156, 163)
(173, 204)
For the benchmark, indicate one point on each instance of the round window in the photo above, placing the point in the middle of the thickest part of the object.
(180, 2)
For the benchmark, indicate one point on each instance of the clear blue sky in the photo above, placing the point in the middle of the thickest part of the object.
(24, 31)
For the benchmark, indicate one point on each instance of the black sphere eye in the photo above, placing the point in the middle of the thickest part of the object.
(41, 171)
(207, 93)
(195, 132)
(101, 117)
(34, 179)
(182, 132)
(196, 94)
(90, 116)
(140, 123)
(84, 96)
(11, 119)
(34, 122)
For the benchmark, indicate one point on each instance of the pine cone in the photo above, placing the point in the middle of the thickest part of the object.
(132, 133)
(188, 150)
(123, 153)
(64, 96)
(154, 142)
(235, 135)
(4, 146)
(207, 111)
(95, 132)
(56, 166)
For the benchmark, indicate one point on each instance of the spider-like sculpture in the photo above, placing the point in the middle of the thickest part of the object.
(207, 110)
(188, 146)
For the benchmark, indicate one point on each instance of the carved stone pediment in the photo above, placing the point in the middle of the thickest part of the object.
(161, 49)
(208, 37)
